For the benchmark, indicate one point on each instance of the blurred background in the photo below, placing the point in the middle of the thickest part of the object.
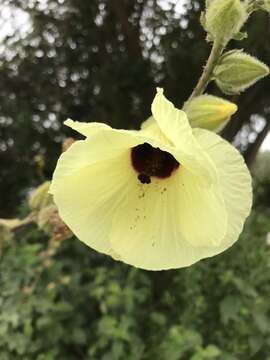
(101, 60)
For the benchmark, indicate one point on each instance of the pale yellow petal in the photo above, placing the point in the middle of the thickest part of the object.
(148, 229)
(175, 126)
(87, 200)
(152, 131)
(88, 185)
(86, 129)
(202, 213)
(150, 121)
(235, 182)
(103, 145)
(145, 233)
(172, 122)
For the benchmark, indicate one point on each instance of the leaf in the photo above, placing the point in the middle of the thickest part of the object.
(229, 308)
(256, 342)
(262, 321)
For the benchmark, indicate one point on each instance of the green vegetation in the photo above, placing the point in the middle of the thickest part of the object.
(61, 300)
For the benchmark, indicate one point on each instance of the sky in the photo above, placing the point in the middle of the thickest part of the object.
(12, 21)
(18, 22)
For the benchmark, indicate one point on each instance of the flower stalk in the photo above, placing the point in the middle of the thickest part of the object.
(204, 80)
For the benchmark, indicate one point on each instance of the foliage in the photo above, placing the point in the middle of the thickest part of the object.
(60, 300)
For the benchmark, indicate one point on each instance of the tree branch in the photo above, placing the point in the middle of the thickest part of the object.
(131, 34)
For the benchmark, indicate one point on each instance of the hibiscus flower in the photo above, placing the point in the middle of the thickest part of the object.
(162, 197)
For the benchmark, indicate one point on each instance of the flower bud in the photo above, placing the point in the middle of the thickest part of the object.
(209, 112)
(44, 219)
(50, 222)
(40, 197)
(224, 19)
(237, 71)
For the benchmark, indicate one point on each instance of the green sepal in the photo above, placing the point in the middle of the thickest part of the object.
(237, 71)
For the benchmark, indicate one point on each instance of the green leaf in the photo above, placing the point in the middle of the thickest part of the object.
(229, 308)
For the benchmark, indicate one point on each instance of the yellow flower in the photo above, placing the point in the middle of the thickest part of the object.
(159, 198)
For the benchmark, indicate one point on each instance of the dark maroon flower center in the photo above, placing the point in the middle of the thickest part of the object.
(149, 161)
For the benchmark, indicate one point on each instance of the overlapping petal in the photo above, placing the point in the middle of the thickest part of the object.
(168, 227)
(86, 129)
(174, 124)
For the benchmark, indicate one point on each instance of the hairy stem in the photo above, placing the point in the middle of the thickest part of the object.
(204, 80)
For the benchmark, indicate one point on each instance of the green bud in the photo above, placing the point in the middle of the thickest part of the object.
(224, 19)
(237, 71)
(209, 112)
(40, 197)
